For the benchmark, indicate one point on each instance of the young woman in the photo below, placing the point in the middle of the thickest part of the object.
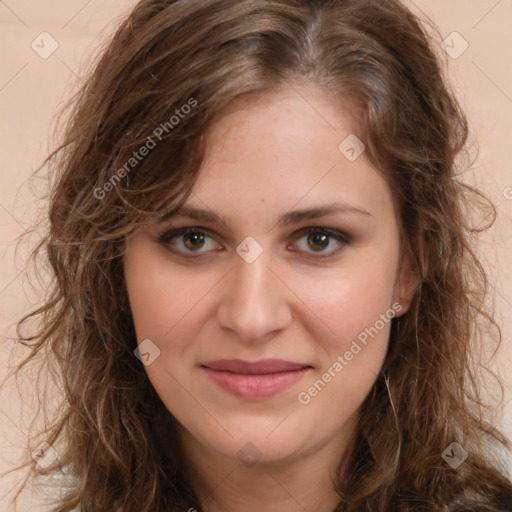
(266, 295)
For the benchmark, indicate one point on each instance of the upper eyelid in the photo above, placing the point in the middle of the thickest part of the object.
(174, 232)
(212, 233)
(341, 236)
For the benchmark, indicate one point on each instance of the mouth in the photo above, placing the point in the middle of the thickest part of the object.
(255, 380)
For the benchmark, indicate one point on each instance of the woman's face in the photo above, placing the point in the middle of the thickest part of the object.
(292, 263)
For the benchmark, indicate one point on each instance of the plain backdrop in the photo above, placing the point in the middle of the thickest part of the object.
(44, 46)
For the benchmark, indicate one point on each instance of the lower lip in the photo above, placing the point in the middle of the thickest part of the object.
(255, 386)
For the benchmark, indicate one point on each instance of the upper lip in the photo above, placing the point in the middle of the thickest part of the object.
(254, 368)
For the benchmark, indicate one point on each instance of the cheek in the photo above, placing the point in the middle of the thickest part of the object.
(360, 314)
(358, 310)
(168, 309)
(351, 302)
(162, 301)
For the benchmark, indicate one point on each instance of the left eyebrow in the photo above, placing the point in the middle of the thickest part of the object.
(291, 217)
(296, 216)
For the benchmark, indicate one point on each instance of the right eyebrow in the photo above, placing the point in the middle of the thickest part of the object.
(197, 214)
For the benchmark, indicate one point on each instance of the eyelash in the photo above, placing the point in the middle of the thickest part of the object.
(167, 236)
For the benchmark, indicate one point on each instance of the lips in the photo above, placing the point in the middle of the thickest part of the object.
(255, 380)
(256, 368)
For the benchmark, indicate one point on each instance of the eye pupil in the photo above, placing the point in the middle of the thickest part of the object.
(192, 239)
(318, 241)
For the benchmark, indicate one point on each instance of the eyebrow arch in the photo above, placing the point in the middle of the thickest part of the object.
(291, 217)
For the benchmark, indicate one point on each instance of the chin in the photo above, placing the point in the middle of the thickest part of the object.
(253, 441)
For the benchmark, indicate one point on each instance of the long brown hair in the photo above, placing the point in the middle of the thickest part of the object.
(378, 59)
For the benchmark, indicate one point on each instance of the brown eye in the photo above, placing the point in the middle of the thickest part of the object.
(189, 240)
(322, 241)
(193, 241)
(318, 241)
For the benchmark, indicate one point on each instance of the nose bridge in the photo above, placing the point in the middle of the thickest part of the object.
(254, 303)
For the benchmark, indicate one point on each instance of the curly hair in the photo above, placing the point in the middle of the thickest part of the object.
(375, 56)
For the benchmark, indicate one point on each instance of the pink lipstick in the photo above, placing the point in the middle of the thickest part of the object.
(255, 380)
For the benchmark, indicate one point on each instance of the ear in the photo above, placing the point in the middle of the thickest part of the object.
(407, 282)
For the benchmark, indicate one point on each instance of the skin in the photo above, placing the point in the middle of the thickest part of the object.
(268, 154)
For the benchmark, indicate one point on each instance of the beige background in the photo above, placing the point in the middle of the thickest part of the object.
(33, 88)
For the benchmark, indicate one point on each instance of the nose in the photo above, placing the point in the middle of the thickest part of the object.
(254, 302)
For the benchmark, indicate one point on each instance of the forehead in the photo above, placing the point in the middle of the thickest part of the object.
(281, 119)
(282, 147)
